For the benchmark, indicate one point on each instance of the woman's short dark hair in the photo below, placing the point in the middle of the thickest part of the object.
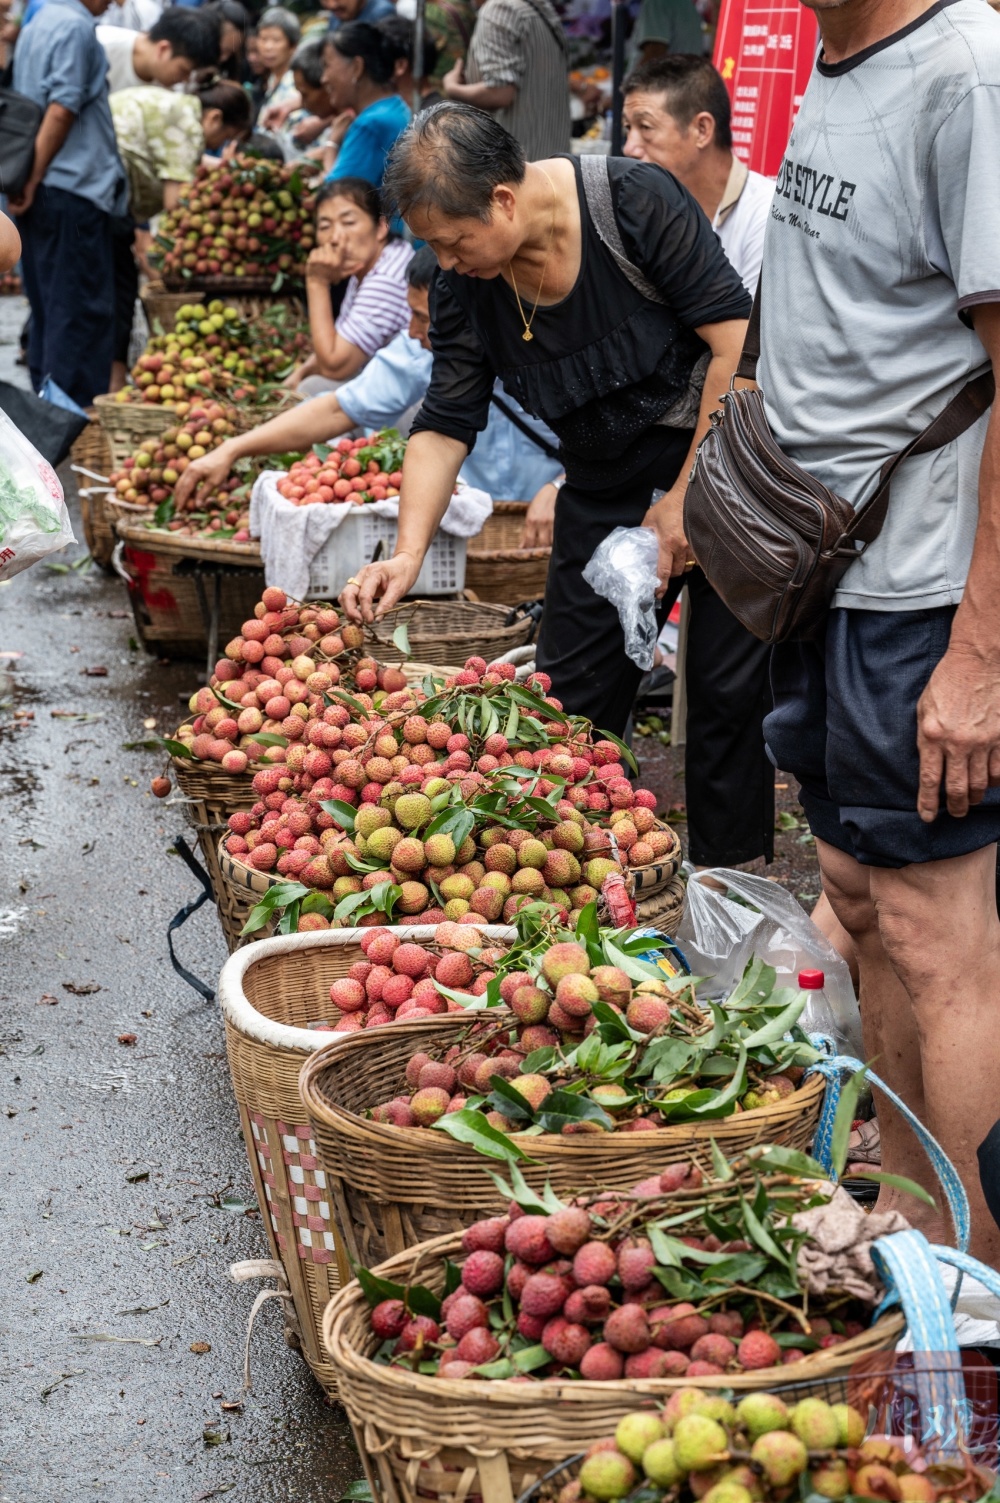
(358, 189)
(423, 268)
(399, 32)
(359, 39)
(308, 60)
(450, 158)
(193, 34)
(286, 23)
(232, 101)
(691, 86)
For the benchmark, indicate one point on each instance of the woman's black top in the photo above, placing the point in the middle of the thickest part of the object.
(605, 363)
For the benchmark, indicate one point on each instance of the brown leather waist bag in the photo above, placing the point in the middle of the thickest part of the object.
(772, 540)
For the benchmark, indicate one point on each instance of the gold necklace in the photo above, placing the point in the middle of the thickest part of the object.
(527, 336)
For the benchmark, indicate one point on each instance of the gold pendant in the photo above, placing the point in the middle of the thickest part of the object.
(527, 335)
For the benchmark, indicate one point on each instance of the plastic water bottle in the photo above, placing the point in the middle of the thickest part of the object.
(817, 1016)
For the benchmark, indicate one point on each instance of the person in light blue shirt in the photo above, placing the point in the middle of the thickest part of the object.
(65, 210)
(342, 12)
(358, 70)
(506, 462)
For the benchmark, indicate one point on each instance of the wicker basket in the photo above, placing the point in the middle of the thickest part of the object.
(166, 607)
(664, 908)
(132, 527)
(423, 1438)
(507, 576)
(268, 995)
(161, 306)
(449, 631)
(126, 424)
(243, 888)
(212, 796)
(91, 451)
(201, 288)
(395, 1187)
(504, 527)
(646, 880)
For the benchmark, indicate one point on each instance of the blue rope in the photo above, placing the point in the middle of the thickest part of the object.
(833, 1067)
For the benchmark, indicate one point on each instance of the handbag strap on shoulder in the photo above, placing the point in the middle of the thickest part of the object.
(596, 174)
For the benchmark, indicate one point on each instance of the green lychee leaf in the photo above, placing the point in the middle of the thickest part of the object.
(778, 1026)
(720, 1164)
(278, 896)
(471, 1127)
(417, 1299)
(636, 970)
(503, 1368)
(504, 1098)
(682, 1111)
(755, 985)
(897, 1181)
(531, 1357)
(790, 1160)
(561, 1108)
(519, 1190)
(736, 1268)
(401, 640)
(625, 751)
(538, 1060)
(452, 1276)
(613, 1027)
(268, 738)
(846, 1112)
(680, 1283)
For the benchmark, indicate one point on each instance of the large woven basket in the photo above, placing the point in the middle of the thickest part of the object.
(507, 576)
(268, 995)
(126, 424)
(423, 1438)
(397, 1186)
(135, 529)
(644, 881)
(212, 796)
(664, 909)
(242, 889)
(161, 306)
(449, 631)
(504, 527)
(166, 607)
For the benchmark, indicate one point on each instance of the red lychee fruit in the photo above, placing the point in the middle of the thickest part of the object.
(414, 1066)
(411, 960)
(702, 1369)
(465, 1314)
(569, 1229)
(483, 1272)
(419, 1331)
(654, 1363)
(644, 1013)
(602, 1364)
(531, 1326)
(594, 1263)
(477, 1346)
(527, 1239)
(348, 995)
(436, 1073)
(627, 1329)
(543, 1294)
(565, 1342)
(428, 1105)
(454, 969)
(485, 1236)
(682, 1332)
(726, 1323)
(388, 1319)
(160, 787)
(636, 1262)
(588, 1306)
(713, 1348)
(757, 1350)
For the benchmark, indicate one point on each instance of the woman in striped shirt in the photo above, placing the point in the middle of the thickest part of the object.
(353, 243)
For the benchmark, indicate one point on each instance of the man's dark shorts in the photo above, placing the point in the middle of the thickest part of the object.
(845, 723)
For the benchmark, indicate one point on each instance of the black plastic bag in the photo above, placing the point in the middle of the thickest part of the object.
(53, 430)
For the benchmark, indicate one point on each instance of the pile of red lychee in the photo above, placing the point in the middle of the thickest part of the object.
(587, 1301)
(399, 979)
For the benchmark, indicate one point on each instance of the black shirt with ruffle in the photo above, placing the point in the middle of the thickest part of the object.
(605, 363)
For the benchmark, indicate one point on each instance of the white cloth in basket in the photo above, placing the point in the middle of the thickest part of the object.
(291, 536)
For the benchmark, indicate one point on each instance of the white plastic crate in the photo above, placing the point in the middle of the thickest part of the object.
(351, 545)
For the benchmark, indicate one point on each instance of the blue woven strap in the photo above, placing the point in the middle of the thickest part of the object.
(833, 1068)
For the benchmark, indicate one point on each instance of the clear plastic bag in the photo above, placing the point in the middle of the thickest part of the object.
(718, 937)
(33, 517)
(623, 570)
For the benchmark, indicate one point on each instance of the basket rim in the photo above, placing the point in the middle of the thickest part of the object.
(346, 1357)
(238, 1011)
(425, 1144)
(248, 553)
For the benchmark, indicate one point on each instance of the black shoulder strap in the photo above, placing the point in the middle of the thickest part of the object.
(965, 408)
(526, 428)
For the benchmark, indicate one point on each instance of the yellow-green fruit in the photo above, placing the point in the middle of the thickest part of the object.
(815, 1424)
(455, 908)
(439, 850)
(916, 1488)
(607, 1475)
(370, 818)
(532, 853)
(457, 886)
(434, 786)
(850, 1425)
(760, 1412)
(636, 1433)
(382, 842)
(596, 870)
(727, 1492)
(781, 1456)
(660, 1464)
(714, 1406)
(681, 1402)
(699, 1443)
(830, 1480)
(412, 810)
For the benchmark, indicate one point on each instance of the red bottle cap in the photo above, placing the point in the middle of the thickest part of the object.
(811, 981)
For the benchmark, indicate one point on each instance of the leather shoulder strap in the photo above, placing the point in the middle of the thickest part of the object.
(964, 409)
(525, 428)
(596, 175)
(747, 368)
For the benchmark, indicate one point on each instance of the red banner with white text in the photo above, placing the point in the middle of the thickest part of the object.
(764, 50)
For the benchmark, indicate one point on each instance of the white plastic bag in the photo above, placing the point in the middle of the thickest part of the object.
(33, 517)
(623, 570)
(719, 936)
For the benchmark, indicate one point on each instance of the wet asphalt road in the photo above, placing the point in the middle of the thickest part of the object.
(115, 1159)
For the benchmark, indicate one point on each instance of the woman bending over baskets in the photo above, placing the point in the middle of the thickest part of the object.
(597, 292)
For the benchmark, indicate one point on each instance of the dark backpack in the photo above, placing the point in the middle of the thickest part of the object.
(20, 118)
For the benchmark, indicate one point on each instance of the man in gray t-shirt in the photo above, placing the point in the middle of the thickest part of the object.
(880, 298)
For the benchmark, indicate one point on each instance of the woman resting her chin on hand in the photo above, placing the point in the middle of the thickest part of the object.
(602, 299)
(353, 245)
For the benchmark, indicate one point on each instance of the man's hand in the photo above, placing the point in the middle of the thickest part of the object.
(539, 519)
(379, 586)
(455, 75)
(22, 203)
(666, 519)
(958, 732)
(204, 473)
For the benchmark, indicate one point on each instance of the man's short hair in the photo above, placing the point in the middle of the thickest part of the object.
(692, 87)
(193, 34)
(422, 269)
(308, 60)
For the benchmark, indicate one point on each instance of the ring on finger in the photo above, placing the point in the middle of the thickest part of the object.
(353, 580)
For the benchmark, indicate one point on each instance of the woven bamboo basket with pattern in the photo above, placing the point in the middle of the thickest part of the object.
(449, 631)
(436, 1440)
(268, 995)
(212, 796)
(397, 1186)
(664, 908)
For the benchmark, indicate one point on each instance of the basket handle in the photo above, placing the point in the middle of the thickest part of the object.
(182, 849)
(837, 1065)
